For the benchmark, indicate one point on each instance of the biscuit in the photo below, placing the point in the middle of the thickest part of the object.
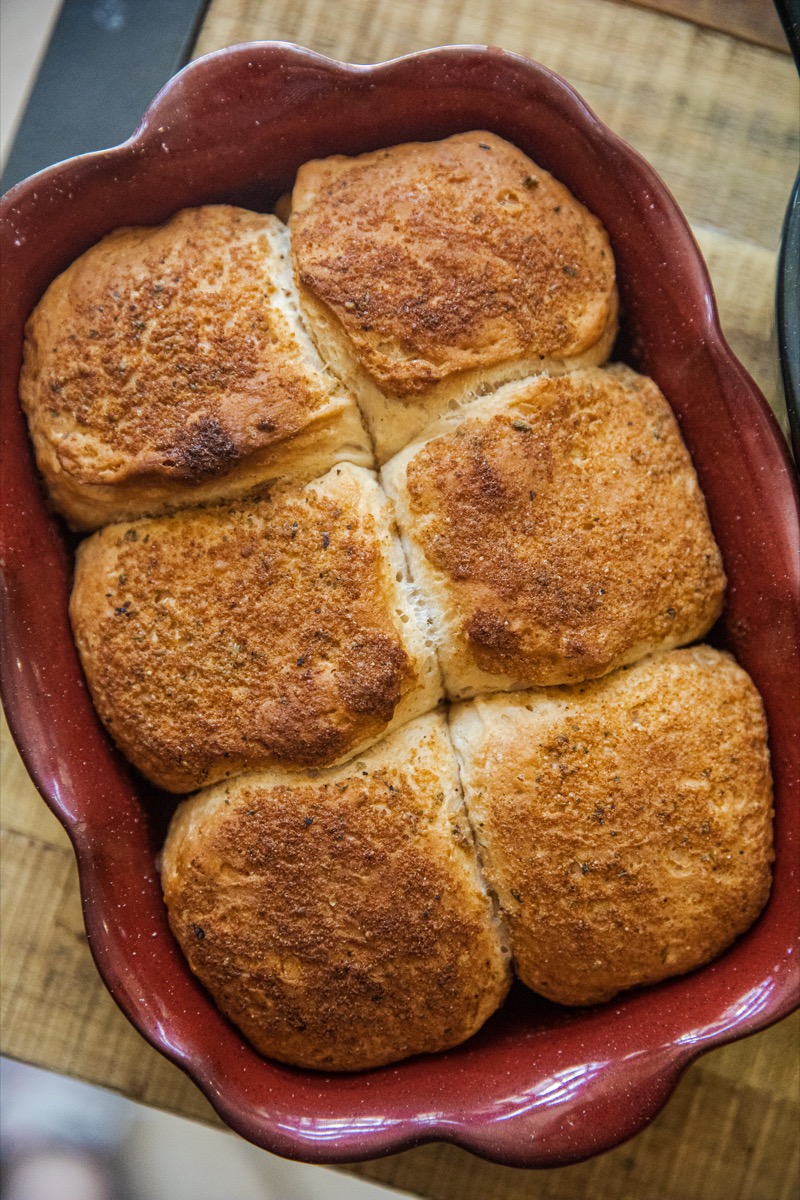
(432, 271)
(168, 367)
(338, 917)
(555, 531)
(625, 824)
(224, 639)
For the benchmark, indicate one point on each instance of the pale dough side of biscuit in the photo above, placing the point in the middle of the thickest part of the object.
(394, 421)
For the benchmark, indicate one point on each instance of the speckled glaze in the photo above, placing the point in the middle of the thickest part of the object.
(540, 1085)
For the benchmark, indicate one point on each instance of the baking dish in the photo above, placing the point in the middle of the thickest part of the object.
(540, 1085)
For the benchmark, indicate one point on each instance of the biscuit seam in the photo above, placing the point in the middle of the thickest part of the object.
(481, 850)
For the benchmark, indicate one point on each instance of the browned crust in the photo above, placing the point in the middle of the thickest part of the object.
(221, 639)
(626, 824)
(337, 915)
(441, 257)
(561, 530)
(339, 921)
(165, 359)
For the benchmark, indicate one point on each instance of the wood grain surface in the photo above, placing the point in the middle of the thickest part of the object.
(754, 20)
(718, 118)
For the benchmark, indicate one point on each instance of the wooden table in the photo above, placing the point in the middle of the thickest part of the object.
(714, 107)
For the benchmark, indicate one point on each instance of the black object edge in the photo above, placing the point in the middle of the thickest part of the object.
(104, 63)
(787, 303)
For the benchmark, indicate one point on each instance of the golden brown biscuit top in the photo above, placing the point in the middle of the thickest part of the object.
(168, 350)
(240, 633)
(628, 821)
(569, 526)
(446, 256)
(339, 921)
(310, 851)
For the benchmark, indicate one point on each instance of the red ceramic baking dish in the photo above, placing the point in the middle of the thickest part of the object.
(540, 1085)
